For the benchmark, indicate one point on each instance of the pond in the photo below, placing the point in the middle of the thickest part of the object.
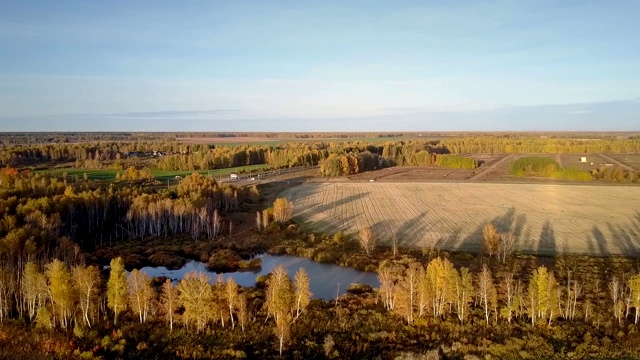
(326, 280)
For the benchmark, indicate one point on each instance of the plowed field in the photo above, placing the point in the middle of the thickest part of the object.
(547, 219)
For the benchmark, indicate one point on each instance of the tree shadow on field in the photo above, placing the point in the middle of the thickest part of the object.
(383, 232)
(407, 237)
(547, 240)
(343, 201)
(449, 242)
(328, 227)
(506, 223)
(626, 238)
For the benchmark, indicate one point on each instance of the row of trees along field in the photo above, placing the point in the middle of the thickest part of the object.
(339, 165)
(528, 145)
(71, 295)
(547, 167)
(41, 216)
(179, 156)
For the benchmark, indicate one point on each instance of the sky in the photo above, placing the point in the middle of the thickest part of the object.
(319, 65)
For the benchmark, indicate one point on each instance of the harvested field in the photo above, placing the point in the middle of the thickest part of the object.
(425, 173)
(547, 219)
(573, 160)
(630, 160)
(414, 173)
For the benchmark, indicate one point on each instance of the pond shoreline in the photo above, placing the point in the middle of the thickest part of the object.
(326, 280)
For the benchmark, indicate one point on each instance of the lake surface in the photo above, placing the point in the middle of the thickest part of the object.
(325, 279)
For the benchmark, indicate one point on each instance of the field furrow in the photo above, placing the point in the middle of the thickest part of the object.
(546, 219)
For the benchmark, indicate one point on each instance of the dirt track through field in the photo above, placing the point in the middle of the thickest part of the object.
(614, 161)
(546, 219)
(490, 168)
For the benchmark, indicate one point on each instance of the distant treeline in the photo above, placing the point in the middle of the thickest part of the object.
(16, 138)
(363, 155)
(180, 156)
(492, 144)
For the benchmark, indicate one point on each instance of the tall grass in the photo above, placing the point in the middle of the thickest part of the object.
(546, 167)
(456, 162)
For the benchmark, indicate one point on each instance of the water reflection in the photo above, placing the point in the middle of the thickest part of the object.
(326, 280)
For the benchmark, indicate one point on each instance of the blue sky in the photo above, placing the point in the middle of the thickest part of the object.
(319, 65)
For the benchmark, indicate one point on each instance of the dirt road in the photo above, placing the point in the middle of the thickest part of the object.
(490, 168)
(614, 161)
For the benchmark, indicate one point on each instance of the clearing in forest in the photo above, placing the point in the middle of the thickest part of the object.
(546, 219)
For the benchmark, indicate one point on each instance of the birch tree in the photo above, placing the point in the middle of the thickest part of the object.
(464, 292)
(117, 288)
(439, 272)
(60, 292)
(232, 299)
(406, 293)
(32, 288)
(506, 246)
(86, 280)
(507, 286)
(280, 297)
(196, 295)
(302, 292)
(141, 293)
(486, 291)
(491, 239)
(615, 292)
(282, 210)
(243, 311)
(366, 240)
(543, 295)
(634, 289)
(169, 302)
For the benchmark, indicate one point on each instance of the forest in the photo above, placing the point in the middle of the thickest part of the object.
(70, 254)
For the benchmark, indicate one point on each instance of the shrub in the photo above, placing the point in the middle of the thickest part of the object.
(534, 165)
(456, 162)
(546, 167)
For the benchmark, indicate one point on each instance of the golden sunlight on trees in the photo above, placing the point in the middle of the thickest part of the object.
(169, 302)
(86, 280)
(196, 295)
(141, 294)
(367, 240)
(506, 246)
(60, 292)
(117, 288)
(542, 296)
(285, 299)
(33, 289)
(487, 292)
(463, 293)
(282, 210)
(232, 299)
(491, 239)
(301, 291)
